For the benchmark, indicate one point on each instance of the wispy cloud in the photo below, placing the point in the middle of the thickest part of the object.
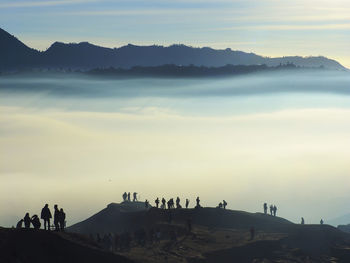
(344, 26)
(13, 4)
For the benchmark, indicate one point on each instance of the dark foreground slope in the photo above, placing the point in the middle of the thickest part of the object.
(219, 236)
(32, 246)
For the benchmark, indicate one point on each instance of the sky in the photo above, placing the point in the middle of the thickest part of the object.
(266, 27)
(82, 142)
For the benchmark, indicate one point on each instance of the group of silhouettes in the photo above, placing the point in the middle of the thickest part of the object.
(59, 219)
(170, 204)
(164, 204)
(127, 197)
(273, 209)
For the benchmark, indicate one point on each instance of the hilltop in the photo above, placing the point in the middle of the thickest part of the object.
(219, 236)
(15, 55)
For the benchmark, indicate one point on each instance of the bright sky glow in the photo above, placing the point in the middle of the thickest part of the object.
(266, 27)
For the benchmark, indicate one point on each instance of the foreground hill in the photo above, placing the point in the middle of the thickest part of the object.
(16, 56)
(219, 236)
(32, 246)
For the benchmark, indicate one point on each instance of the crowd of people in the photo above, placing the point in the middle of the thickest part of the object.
(140, 237)
(164, 204)
(59, 219)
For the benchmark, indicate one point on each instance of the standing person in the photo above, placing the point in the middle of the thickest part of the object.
(302, 221)
(27, 220)
(62, 219)
(274, 210)
(224, 204)
(271, 209)
(146, 203)
(46, 215)
(265, 208)
(129, 196)
(157, 202)
(163, 203)
(56, 218)
(252, 233)
(125, 195)
(187, 203)
(178, 202)
(198, 201)
(134, 197)
(189, 225)
(321, 222)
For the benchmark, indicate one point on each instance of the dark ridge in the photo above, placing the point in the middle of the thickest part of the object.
(40, 246)
(85, 56)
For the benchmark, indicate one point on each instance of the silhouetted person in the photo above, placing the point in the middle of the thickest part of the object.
(169, 204)
(129, 196)
(151, 235)
(98, 238)
(158, 235)
(134, 197)
(302, 221)
(20, 223)
(187, 203)
(220, 205)
(274, 210)
(252, 233)
(46, 216)
(146, 203)
(224, 204)
(62, 219)
(198, 202)
(189, 225)
(125, 196)
(265, 208)
(163, 203)
(116, 241)
(56, 218)
(178, 202)
(35, 221)
(321, 222)
(27, 220)
(157, 202)
(271, 209)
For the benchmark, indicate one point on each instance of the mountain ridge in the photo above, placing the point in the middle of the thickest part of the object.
(15, 55)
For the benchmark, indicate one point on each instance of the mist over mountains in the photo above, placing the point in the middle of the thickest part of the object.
(15, 55)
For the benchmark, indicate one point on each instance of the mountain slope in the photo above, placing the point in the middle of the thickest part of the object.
(119, 217)
(15, 55)
(218, 235)
(40, 246)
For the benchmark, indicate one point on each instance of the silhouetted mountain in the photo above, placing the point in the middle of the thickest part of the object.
(15, 55)
(219, 236)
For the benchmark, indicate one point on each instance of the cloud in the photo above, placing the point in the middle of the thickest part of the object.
(23, 4)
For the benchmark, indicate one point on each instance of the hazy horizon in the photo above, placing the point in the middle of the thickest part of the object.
(81, 142)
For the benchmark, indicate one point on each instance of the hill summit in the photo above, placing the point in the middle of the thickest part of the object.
(216, 235)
